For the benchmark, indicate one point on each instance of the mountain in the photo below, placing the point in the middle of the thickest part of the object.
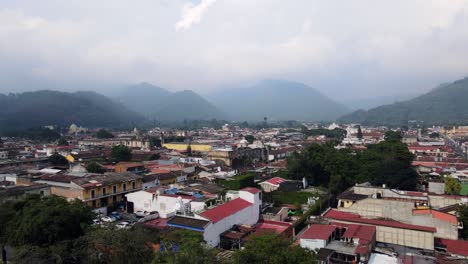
(143, 98)
(45, 107)
(278, 100)
(158, 103)
(445, 104)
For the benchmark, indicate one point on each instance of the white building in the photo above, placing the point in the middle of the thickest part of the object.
(244, 208)
(166, 205)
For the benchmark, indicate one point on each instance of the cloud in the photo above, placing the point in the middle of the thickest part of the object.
(343, 48)
(192, 14)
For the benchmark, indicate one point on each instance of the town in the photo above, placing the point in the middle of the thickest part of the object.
(336, 193)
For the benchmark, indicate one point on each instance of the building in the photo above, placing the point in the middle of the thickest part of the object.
(243, 210)
(18, 192)
(95, 190)
(183, 146)
(343, 243)
(389, 231)
(414, 208)
(234, 157)
(167, 205)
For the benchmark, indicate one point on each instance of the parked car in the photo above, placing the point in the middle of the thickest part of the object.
(96, 221)
(116, 215)
(141, 213)
(108, 219)
(123, 225)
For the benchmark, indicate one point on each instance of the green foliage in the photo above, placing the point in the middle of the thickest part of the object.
(452, 185)
(443, 105)
(280, 197)
(37, 133)
(62, 142)
(94, 167)
(58, 160)
(250, 138)
(121, 153)
(119, 246)
(463, 217)
(40, 108)
(238, 182)
(155, 142)
(359, 133)
(323, 165)
(270, 248)
(192, 249)
(174, 139)
(102, 133)
(336, 133)
(189, 151)
(393, 136)
(44, 221)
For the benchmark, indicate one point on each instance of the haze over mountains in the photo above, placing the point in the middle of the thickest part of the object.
(158, 103)
(39, 108)
(277, 100)
(446, 104)
(274, 99)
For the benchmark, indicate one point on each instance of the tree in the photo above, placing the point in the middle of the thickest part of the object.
(189, 150)
(192, 249)
(359, 133)
(43, 221)
(271, 248)
(452, 185)
(102, 133)
(463, 217)
(1, 142)
(121, 153)
(119, 246)
(62, 142)
(394, 136)
(94, 167)
(58, 160)
(250, 138)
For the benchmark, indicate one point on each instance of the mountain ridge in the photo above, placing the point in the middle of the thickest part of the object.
(445, 104)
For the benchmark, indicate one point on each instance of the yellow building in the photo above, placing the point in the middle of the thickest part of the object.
(101, 190)
(184, 146)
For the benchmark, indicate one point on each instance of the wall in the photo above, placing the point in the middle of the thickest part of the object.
(403, 237)
(183, 147)
(313, 244)
(437, 187)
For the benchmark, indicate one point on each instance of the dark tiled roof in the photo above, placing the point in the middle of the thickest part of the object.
(350, 195)
(188, 222)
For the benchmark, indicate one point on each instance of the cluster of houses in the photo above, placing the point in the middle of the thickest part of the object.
(179, 180)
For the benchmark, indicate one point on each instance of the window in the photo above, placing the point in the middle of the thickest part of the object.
(133, 185)
(114, 199)
(93, 194)
(94, 203)
(114, 189)
(124, 187)
(104, 191)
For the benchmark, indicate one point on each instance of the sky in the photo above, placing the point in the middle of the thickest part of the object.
(346, 49)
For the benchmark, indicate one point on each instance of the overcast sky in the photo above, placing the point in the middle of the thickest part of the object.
(348, 49)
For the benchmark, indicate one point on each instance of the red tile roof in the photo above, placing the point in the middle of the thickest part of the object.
(275, 180)
(350, 217)
(220, 212)
(438, 215)
(322, 232)
(251, 190)
(273, 226)
(457, 247)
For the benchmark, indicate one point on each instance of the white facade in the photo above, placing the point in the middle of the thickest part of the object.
(166, 206)
(313, 244)
(249, 216)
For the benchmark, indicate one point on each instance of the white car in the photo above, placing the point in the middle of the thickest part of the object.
(141, 213)
(108, 219)
(123, 225)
